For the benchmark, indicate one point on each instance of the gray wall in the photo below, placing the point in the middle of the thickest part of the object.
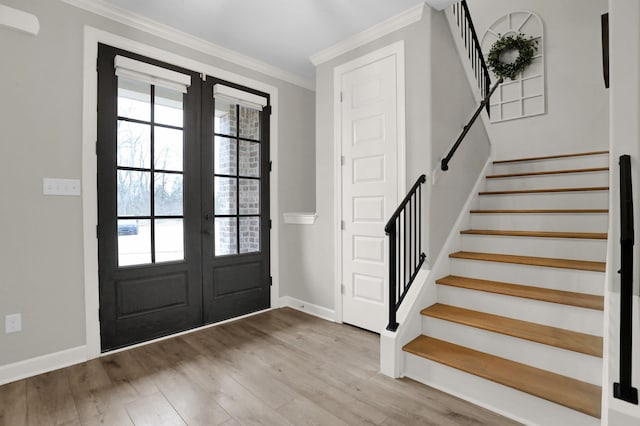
(439, 101)
(316, 258)
(453, 105)
(577, 102)
(41, 249)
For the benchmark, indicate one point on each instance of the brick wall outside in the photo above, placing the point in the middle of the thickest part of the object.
(225, 189)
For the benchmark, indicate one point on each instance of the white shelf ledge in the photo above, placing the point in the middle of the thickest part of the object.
(300, 218)
(18, 20)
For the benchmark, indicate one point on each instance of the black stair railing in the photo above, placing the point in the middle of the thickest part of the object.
(404, 229)
(444, 164)
(480, 70)
(471, 43)
(623, 389)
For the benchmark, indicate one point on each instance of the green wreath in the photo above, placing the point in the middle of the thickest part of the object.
(526, 48)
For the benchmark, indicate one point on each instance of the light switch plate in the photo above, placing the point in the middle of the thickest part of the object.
(67, 187)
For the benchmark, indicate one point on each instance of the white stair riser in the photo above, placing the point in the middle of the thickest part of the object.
(587, 161)
(564, 180)
(507, 401)
(561, 248)
(567, 363)
(563, 222)
(556, 278)
(553, 200)
(552, 314)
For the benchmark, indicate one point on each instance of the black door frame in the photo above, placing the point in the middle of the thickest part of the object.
(193, 219)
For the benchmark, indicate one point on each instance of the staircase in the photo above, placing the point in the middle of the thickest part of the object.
(518, 323)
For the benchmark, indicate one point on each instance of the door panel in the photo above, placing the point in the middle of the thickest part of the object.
(235, 206)
(369, 188)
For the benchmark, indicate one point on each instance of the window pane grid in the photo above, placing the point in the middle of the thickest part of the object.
(164, 126)
(160, 233)
(225, 135)
(140, 169)
(236, 231)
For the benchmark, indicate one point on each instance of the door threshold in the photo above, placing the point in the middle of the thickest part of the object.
(181, 333)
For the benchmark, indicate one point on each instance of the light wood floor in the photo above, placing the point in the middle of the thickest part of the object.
(277, 368)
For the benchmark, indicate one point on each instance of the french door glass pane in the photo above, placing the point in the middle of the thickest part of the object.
(236, 150)
(134, 242)
(134, 99)
(249, 196)
(168, 107)
(167, 149)
(168, 194)
(249, 123)
(169, 240)
(224, 156)
(134, 198)
(249, 159)
(226, 232)
(225, 121)
(249, 234)
(134, 145)
(225, 199)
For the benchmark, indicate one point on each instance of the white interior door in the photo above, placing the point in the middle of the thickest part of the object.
(369, 188)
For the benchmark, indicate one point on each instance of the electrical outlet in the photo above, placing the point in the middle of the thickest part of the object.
(12, 323)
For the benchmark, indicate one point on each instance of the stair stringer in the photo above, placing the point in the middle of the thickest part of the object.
(423, 291)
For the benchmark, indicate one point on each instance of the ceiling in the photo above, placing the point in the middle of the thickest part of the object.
(282, 33)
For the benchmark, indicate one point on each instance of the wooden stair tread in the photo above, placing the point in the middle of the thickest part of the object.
(550, 157)
(531, 260)
(574, 394)
(552, 336)
(542, 234)
(541, 211)
(550, 172)
(582, 300)
(540, 191)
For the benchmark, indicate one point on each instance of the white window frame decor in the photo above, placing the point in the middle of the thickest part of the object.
(525, 95)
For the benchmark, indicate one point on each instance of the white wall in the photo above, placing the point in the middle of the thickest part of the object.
(41, 247)
(577, 104)
(624, 33)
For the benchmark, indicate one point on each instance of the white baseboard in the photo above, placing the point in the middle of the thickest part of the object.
(45, 363)
(42, 364)
(309, 308)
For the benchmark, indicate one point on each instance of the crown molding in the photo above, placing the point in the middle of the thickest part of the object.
(167, 32)
(381, 29)
(19, 20)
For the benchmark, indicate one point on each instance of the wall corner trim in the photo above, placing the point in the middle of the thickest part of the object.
(300, 218)
(42, 364)
(308, 308)
(18, 20)
(381, 29)
(167, 32)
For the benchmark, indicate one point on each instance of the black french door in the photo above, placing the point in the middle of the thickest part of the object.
(183, 200)
(235, 202)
